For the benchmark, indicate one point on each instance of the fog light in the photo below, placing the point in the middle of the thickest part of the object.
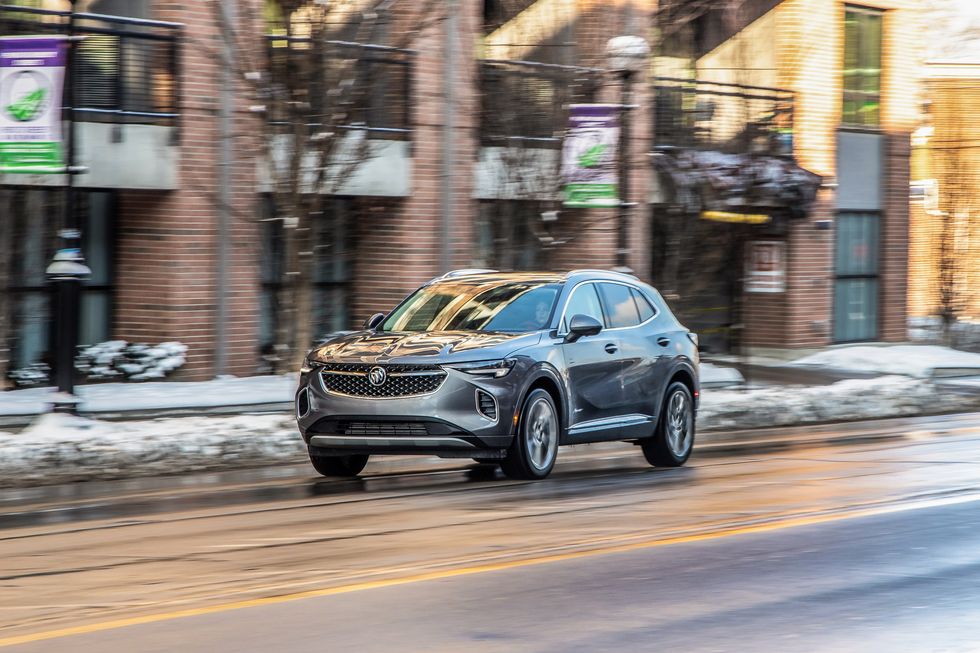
(486, 405)
(303, 403)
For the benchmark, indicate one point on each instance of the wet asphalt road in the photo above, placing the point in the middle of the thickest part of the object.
(871, 545)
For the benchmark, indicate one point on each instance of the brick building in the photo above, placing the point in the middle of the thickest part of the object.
(461, 172)
(944, 242)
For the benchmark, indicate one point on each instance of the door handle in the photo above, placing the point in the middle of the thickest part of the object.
(611, 348)
(663, 341)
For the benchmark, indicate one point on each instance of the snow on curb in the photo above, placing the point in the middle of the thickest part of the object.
(715, 376)
(60, 448)
(853, 399)
(921, 361)
(116, 397)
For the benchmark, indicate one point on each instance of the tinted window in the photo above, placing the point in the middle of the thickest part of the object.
(646, 310)
(584, 301)
(620, 309)
(467, 306)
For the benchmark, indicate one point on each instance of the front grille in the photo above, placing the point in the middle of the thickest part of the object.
(401, 380)
(486, 405)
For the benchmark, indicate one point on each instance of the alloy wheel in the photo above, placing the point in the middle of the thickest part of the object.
(679, 424)
(541, 434)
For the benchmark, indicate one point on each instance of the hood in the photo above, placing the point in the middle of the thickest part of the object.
(429, 347)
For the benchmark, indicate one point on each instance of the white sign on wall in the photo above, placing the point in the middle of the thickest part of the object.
(765, 266)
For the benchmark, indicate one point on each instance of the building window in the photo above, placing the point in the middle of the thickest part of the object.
(856, 283)
(34, 217)
(862, 67)
(333, 251)
(509, 234)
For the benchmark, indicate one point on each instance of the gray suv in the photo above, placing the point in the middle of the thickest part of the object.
(504, 368)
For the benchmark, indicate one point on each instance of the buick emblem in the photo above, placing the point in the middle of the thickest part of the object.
(377, 376)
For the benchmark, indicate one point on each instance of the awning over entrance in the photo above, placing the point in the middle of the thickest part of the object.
(698, 181)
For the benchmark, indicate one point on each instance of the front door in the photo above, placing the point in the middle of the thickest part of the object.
(856, 283)
(595, 371)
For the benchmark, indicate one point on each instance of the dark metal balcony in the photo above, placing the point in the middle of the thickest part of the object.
(729, 118)
(126, 70)
(527, 102)
(374, 83)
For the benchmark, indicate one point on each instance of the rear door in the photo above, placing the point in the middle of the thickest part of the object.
(594, 371)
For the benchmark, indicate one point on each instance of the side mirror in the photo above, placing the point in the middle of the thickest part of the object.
(372, 322)
(582, 325)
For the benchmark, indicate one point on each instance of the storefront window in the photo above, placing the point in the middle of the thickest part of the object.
(862, 67)
(34, 217)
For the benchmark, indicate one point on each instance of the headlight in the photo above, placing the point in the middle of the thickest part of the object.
(493, 369)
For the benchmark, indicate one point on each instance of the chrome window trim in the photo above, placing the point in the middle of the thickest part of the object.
(564, 309)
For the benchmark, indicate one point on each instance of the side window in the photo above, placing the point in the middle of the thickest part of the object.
(584, 301)
(617, 301)
(642, 303)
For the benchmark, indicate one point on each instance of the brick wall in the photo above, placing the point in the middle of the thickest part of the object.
(401, 244)
(168, 249)
(894, 259)
(949, 156)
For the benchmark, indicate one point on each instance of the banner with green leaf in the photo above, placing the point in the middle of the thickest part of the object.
(589, 165)
(32, 71)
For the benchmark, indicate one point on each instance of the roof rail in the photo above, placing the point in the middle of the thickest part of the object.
(464, 272)
(620, 271)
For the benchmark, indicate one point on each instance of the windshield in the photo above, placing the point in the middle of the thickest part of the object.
(512, 307)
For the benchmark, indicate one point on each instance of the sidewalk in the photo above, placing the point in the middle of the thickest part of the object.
(157, 399)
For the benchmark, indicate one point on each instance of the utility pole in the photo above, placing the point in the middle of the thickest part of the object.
(225, 167)
(448, 163)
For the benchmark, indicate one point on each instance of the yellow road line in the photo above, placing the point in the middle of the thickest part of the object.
(792, 522)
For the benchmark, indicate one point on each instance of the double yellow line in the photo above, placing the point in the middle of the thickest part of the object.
(764, 527)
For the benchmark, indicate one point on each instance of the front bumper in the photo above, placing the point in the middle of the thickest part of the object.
(445, 422)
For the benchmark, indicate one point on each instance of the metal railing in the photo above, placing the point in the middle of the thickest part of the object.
(528, 101)
(733, 118)
(125, 70)
(367, 85)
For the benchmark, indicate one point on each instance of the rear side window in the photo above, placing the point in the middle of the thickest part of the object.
(642, 303)
(618, 304)
(584, 301)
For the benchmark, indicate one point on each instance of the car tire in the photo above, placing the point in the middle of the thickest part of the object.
(673, 439)
(534, 450)
(342, 466)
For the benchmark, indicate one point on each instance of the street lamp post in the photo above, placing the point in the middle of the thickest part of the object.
(67, 268)
(626, 56)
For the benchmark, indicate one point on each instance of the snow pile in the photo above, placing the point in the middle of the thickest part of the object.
(920, 361)
(853, 399)
(115, 360)
(963, 334)
(61, 448)
(118, 359)
(713, 376)
(159, 395)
